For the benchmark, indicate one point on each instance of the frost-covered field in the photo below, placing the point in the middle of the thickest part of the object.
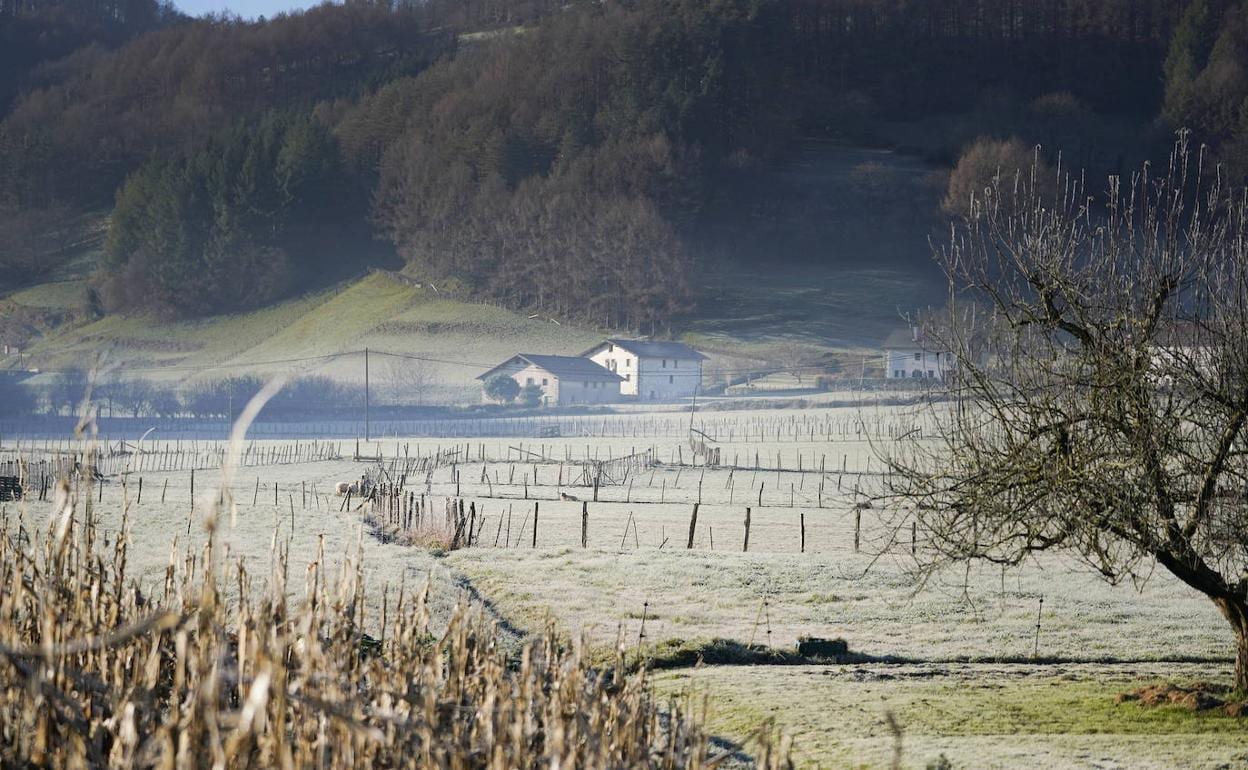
(964, 635)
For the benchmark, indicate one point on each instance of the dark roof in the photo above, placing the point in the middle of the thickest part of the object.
(904, 339)
(652, 349)
(568, 367)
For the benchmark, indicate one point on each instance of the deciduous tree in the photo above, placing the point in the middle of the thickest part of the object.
(1101, 405)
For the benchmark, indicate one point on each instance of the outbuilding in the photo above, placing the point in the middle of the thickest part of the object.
(563, 380)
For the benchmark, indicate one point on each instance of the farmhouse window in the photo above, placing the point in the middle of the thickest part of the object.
(675, 363)
(543, 382)
(628, 363)
(584, 384)
(664, 363)
(670, 379)
(610, 348)
(528, 381)
(917, 356)
(628, 378)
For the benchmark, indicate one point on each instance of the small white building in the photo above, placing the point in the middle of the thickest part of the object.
(650, 370)
(564, 380)
(908, 355)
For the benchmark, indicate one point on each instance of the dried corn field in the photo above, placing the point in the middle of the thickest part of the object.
(97, 671)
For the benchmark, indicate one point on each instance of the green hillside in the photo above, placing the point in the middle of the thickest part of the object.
(374, 311)
(844, 312)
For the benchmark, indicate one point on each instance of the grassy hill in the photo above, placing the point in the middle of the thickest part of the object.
(375, 312)
(745, 314)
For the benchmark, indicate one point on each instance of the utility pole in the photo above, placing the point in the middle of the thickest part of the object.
(366, 427)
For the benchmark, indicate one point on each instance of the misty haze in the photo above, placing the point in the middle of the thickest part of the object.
(624, 384)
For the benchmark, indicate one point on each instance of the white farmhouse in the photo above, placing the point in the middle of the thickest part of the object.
(652, 371)
(907, 354)
(563, 379)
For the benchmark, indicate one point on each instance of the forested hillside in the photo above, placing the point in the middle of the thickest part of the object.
(583, 158)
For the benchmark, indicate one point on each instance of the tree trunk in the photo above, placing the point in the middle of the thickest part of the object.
(1241, 661)
(1236, 612)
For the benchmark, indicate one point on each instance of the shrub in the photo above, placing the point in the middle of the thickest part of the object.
(502, 389)
(531, 395)
(981, 163)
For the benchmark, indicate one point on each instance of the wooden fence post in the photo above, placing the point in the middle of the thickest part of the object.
(857, 527)
(746, 545)
(584, 524)
(803, 515)
(534, 525)
(693, 525)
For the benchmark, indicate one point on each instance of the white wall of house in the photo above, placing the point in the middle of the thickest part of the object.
(588, 391)
(651, 379)
(667, 379)
(534, 375)
(907, 363)
(618, 360)
(561, 391)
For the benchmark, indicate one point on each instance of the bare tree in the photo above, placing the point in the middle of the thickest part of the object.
(1100, 403)
(407, 381)
(796, 359)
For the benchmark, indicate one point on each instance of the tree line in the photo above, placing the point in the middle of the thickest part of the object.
(561, 157)
(216, 399)
(237, 220)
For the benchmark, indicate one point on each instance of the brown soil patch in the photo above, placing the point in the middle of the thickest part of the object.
(1198, 696)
